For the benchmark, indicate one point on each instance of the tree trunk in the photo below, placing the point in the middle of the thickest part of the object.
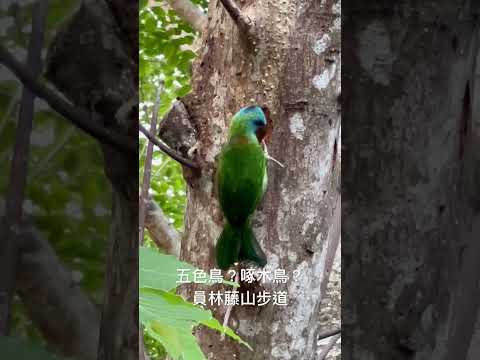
(408, 240)
(294, 69)
(93, 63)
(474, 350)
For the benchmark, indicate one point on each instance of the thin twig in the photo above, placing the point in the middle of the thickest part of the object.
(329, 347)
(230, 307)
(18, 171)
(148, 168)
(267, 155)
(167, 150)
(9, 109)
(88, 122)
(328, 333)
(6, 117)
(143, 355)
(243, 22)
(42, 165)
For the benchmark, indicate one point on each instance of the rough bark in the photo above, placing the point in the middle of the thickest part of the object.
(294, 69)
(407, 211)
(92, 63)
(126, 16)
(330, 309)
(176, 130)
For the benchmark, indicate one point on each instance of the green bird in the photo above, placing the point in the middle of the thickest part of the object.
(241, 182)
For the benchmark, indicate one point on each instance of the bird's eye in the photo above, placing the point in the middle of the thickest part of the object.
(259, 123)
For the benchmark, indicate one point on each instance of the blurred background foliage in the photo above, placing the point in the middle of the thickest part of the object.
(167, 49)
(68, 198)
(166, 52)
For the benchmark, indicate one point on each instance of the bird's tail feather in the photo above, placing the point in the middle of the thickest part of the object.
(250, 249)
(228, 246)
(237, 243)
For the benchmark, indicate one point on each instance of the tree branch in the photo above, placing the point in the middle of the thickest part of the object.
(188, 11)
(329, 347)
(148, 168)
(243, 22)
(230, 307)
(162, 233)
(8, 112)
(18, 173)
(88, 122)
(185, 162)
(54, 300)
(176, 130)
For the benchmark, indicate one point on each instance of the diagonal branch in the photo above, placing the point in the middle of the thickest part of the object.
(328, 334)
(18, 173)
(243, 22)
(329, 347)
(190, 13)
(161, 232)
(185, 162)
(88, 122)
(44, 163)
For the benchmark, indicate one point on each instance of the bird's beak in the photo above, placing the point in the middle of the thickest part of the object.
(261, 133)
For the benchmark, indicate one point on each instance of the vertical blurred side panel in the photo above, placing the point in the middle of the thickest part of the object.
(76, 244)
(410, 180)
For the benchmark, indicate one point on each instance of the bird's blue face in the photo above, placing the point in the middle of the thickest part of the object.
(253, 118)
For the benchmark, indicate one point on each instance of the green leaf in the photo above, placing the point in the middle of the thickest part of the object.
(162, 307)
(178, 342)
(171, 309)
(160, 271)
(215, 325)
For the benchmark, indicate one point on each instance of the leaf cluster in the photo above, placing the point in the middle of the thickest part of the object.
(167, 317)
